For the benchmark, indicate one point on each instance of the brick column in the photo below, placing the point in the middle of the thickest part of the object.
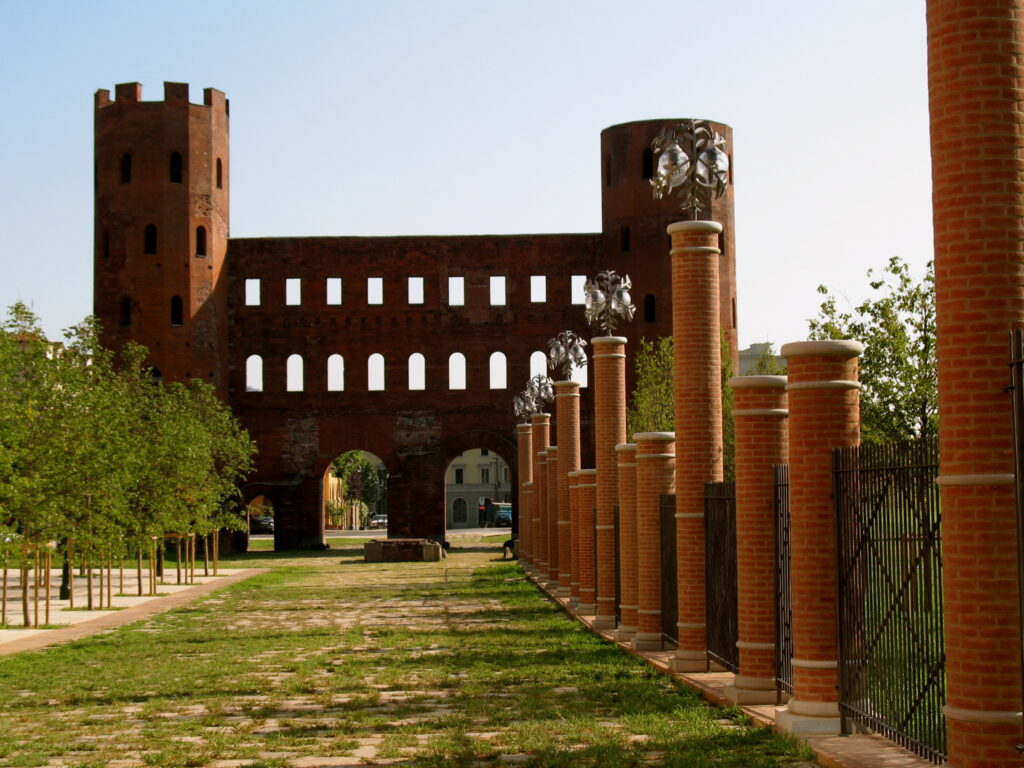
(524, 461)
(567, 424)
(609, 364)
(975, 78)
(541, 425)
(586, 489)
(655, 475)
(526, 494)
(626, 453)
(574, 540)
(824, 413)
(759, 414)
(697, 396)
(561, 589)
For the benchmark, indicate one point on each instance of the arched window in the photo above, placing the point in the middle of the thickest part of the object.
(149, 239)
(254, 373)
(200, 241)
(294, 373)
(220, 174)
(538, 364)
(649, 312)
(457, 371)
(459, 511)
(417, 371)
(498, 377)
(126, 310)
(155, 376)
(335, 373)
(375, 373)
(126, 168)
(176, 167)
(177, 310)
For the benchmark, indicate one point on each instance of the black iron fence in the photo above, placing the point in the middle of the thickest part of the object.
(1017, 396)
(669, 585)
(783, 598)
(891, 655)
(720, 574)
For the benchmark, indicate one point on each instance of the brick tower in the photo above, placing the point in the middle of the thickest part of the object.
(161, 228)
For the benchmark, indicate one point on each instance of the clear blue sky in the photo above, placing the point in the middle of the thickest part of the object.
(442, 117)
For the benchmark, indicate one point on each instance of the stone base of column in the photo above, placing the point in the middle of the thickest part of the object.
(586, 609)
(646, 641)
(573, 603)
(605, 618)
(624, 634)
(751, 690)
(691, 661)
(808, 718)
(604, 622)
(562, 589)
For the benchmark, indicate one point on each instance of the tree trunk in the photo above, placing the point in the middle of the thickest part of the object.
(26, 619)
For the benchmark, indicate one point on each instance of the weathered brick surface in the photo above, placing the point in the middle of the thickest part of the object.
(574, 537)
(524, 458)
(585, 489)
(655, 475)
(541, 425)
(567, 425)
(626, 454)
(554, 543)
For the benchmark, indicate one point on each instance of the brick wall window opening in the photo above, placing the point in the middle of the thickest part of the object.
(335, 373)
(538, 364)
(485, 475)
(294, 373)
(498, 373)
(175, 169)
(126, 168)
(497, 290)
(177, 311)
(538, 289)
(220, 174)
(576, 289)
(375, 290)
(415, 290)
(375, 372)
(200, 241)
(149, 239)
(457, 371)
(334, 291)
(254, 373)
(252, 292)
(456, 291)
(460, 476)
(126, 311)
(293, 291)
(417, 372)
(484, 452)
(624, 238)
(647, 164)
(649, 308)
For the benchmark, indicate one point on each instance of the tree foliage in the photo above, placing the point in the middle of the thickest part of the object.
(364, 481)
(896, 324)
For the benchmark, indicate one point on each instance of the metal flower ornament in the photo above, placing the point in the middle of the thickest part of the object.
(692, 158)
(565, 351)
(608, 300)
(532, 400)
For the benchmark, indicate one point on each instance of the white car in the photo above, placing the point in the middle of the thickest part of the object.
(379, 521)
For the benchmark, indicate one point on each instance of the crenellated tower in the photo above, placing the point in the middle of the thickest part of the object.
(161, 228)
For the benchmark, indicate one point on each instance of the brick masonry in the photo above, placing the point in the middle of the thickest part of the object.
(655, 475)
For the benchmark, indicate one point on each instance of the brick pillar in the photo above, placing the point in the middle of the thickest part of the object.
(586, 488)
(627, 542)
(567, 423)
(552, 532)
(541, 425)
(574, 540)
(824, 413)
(526, 494)
(975, 77)
(524, 461)
(609, 364)
(655, 475)
(759, 414)
(697, 397)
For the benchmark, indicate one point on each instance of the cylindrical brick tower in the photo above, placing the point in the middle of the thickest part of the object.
(524, 446)
(609, 362)
(759, 414)
(975, 81)
(626, 453)
(586, 488)
(161, 228)
(655, 475)
(567, 425)
(554, 553)
(697, 395)
(824, 413)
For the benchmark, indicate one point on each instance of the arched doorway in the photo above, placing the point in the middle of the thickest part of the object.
(355, 492)
(474, 479)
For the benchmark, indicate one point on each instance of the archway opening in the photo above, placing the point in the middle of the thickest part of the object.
(477, 490)
(355, 492)
(260, 515)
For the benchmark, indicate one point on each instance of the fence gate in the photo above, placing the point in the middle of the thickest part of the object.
(783, 599)
(720, 574)
(669, 585)
(891, 653)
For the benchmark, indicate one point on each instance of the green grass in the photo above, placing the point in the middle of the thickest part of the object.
(454, 663)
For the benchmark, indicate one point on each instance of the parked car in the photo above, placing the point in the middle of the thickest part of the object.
(503, 519)
(379, 521)
(261, 524)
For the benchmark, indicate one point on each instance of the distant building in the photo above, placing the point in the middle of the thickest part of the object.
(475, 474)
(753, 353)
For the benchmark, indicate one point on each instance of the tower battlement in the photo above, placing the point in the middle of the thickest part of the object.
(175, 94)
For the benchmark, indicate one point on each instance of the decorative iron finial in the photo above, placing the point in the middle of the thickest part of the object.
(532, 399)
(523, 406)
(608, 300)
(691, 157)
(566, 351)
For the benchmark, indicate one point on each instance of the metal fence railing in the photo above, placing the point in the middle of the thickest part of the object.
(720, 574)
(783, 598)
(889, 561)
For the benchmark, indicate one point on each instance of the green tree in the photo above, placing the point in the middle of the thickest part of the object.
(896, 324)
(364, 481)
